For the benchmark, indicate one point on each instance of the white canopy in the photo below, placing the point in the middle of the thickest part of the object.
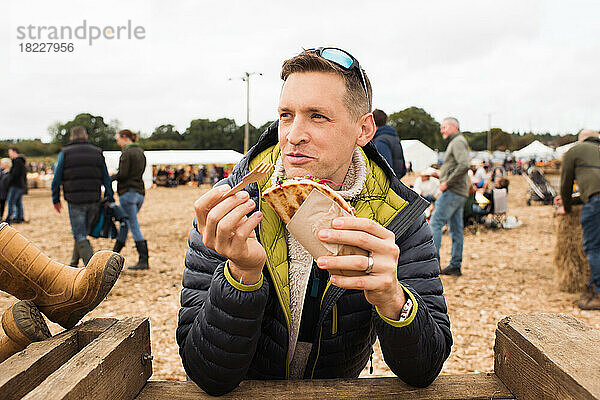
(417, 152)
(560, 150)
(175, 157)
(535, 149)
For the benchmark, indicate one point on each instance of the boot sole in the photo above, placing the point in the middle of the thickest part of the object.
(28, 319)
(111, 273)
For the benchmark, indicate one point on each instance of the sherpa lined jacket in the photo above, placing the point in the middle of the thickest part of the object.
(228, 332)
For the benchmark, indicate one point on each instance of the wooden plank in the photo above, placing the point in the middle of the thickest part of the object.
(24, 371)
(110, 367)
(468, 386)
(92, 329)
(552, 356)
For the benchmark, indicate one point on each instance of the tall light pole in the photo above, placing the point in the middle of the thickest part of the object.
(246, 78)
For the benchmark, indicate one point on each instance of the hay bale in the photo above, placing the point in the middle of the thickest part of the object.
(572, 268)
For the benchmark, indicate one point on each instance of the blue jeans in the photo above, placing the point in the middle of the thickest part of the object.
(131, 202)
(590, 223)
(81, 217)
(449, 210)
(15, 203)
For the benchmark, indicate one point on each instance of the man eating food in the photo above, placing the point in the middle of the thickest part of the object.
(255, 303)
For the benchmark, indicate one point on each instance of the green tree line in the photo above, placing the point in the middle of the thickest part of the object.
(224, 133)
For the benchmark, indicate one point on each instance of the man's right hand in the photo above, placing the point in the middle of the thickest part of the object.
(226, 229)
(58, 207)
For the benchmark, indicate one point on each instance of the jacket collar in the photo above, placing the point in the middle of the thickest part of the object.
(385, 130)
(454, 136)
(77, 141)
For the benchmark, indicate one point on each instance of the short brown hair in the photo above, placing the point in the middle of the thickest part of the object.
(78, 132)
(128, 134)
(380, 117)
(355, 98)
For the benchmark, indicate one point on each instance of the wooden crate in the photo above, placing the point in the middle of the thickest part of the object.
(548, 356)
(99, 359)
(536, 356)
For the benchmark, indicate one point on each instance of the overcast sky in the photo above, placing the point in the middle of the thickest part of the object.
(531, 64)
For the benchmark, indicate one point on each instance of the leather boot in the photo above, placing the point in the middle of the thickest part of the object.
(118, 246)
(74, 257)
(591, 303)
(142, 248)
(64, 294)
(22, 324)
(84, 248)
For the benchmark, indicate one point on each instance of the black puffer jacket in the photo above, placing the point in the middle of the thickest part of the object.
(226, 335)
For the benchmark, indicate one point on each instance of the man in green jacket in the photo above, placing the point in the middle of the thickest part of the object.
(255, 304)
(582, 164)
(454, 184)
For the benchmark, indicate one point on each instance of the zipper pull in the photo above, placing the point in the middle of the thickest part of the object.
(371, 368)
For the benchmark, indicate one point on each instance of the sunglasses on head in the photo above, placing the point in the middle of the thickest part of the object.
(343, 59)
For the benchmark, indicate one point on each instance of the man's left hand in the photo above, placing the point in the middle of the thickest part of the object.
(381, 285)
(443, 186)
(58, 207)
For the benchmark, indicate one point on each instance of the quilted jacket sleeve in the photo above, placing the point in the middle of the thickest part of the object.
(219, 324)
(416, 349)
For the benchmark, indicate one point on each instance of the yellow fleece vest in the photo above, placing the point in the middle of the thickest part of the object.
(376, 201)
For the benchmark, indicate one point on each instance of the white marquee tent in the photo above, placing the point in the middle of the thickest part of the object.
(417, 152)
(535, 149)
(175, 157)
(560, 150)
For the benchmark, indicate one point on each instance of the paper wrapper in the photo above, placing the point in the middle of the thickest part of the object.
(316, 213)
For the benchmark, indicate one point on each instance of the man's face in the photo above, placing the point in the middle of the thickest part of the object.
(448, 129)
(317, 134)
(12, 154)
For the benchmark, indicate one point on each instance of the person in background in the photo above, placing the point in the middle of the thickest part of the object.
(130, 187)
(481, 176)
(201, 175)
(81, 171)
(387, 142)
(17, 186)
(454, 185)
(5, 165)
(582, 163)
(427, 185)
(214, 175)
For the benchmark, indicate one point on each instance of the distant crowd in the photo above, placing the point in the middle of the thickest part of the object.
(170, 176)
